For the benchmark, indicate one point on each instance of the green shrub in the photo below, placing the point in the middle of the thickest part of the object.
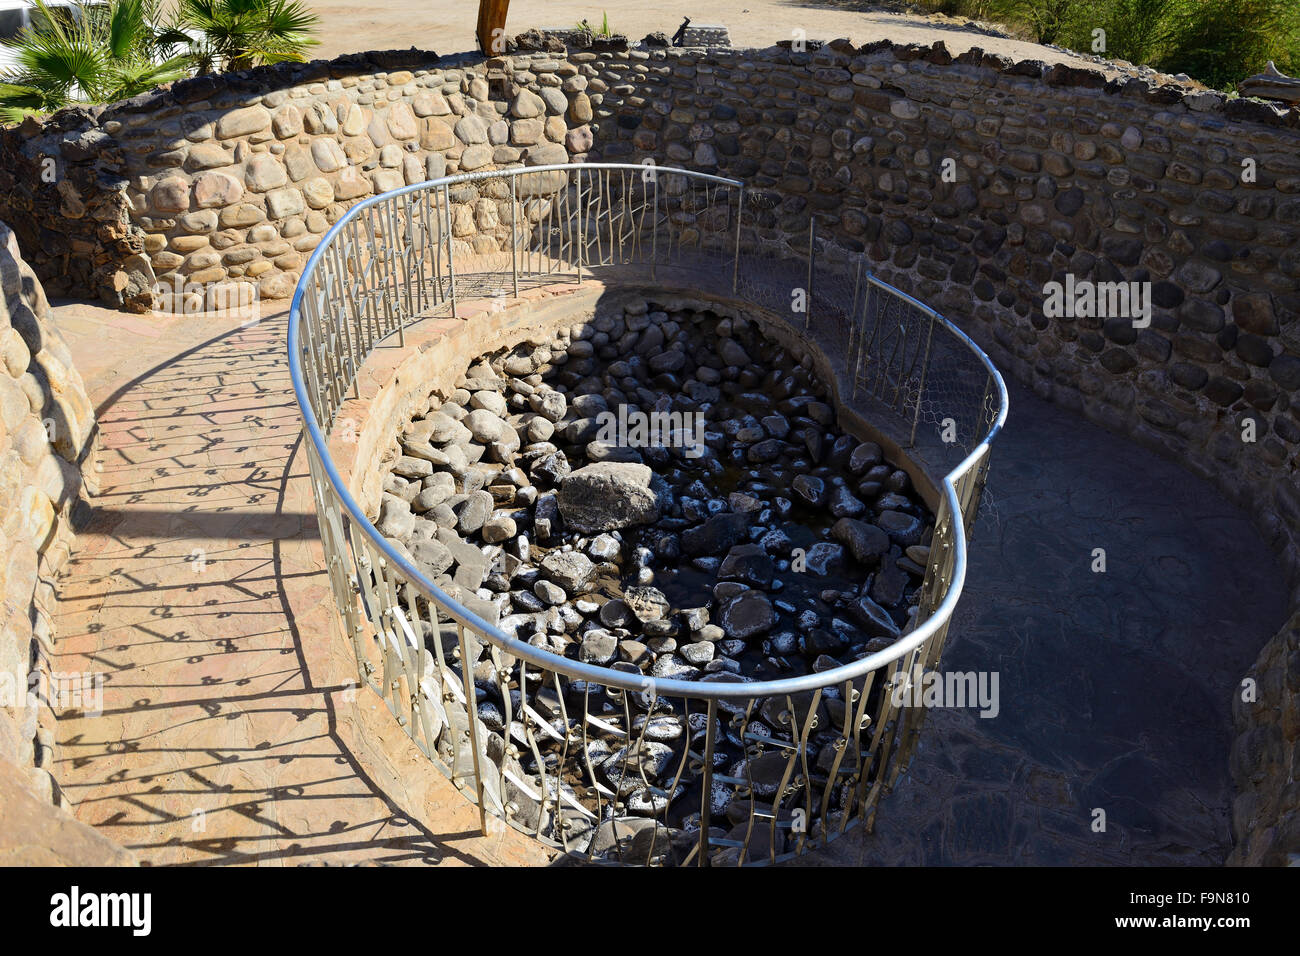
(1047, 21)
(236, 34)
(104, 53)
(1138, 30)
(114, 50)
(1221, 42)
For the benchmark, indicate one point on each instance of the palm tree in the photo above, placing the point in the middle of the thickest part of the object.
(237, 34)
(106, 52)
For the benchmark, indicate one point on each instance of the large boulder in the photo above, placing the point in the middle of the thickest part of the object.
(608, 496)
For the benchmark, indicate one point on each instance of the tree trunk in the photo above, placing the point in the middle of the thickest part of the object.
(492, 26)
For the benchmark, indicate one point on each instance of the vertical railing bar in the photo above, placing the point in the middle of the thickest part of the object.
(385, 256)
(853, 312)
(345, 322)
(808, 299)
(401, 287)
(471, 717)
(359, 298)
(419, 254)
(507, 712)
(586, 753)
(564, 758)
(514, 238)
(451, 264)
(706, 790)
(600, 220)
(863, 750)
(735, 259)
(862, 344)
(580, 214)
(920, 393)
(654, 227)
(373, 272)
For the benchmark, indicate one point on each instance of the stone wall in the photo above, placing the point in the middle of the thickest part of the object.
(970, 181)
(63, 190)
(237, 178)
(47, 463)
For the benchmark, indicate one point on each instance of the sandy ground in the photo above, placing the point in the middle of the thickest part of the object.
(354, 25)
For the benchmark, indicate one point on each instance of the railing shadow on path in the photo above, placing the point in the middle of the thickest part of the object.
(223, 732)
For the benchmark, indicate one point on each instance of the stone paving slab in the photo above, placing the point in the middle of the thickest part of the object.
(230, 733)
(1115, 688)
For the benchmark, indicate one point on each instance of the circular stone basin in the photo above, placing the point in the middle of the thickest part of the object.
(665, 493)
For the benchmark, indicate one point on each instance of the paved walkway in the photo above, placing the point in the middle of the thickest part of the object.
(1115, 688)
(229, 736)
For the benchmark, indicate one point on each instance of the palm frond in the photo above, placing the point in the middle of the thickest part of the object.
(20, 99)
(133, 77)
(121, 48)
(63, 58)
(126, 29)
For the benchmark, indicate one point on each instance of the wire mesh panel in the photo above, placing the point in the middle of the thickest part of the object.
(604, 762)
(891, 348)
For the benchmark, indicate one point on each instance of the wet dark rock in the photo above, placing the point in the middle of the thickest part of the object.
(747, 615)
(716, 535)
(865, 542)
(748, 563)
(810, 489)
(843, 504)
(901, 527)
(873, 618)
(824, 558)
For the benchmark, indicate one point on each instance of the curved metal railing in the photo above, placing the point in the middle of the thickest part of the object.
(550, 743)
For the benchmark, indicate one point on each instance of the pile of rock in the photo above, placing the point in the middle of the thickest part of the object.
(737, 535)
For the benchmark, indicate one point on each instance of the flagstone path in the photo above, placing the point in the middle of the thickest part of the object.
(229, 732)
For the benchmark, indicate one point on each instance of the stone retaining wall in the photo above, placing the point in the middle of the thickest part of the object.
(47, 462)
(970, 181)
(236, 178)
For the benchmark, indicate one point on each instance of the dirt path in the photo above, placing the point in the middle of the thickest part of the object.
(354, 25)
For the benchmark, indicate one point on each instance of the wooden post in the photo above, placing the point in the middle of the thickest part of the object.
(492, 26)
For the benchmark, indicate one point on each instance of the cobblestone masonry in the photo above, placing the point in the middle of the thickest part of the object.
(1054, 170)
(47, 445)
(237, 178)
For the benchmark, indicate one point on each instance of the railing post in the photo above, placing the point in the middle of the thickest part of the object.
(514, 238)
(471, 717)
(582, 231)
(654, 226)
(735, 265)
(451, 266)
(706, 808)
(920, 390)
(807, 311)
(862, 337)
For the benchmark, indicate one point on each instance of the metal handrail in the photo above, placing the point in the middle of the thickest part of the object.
(594, 673)
(952, 578)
